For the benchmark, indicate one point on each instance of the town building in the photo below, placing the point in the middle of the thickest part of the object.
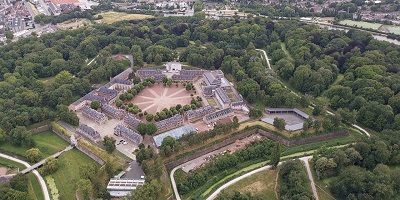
(89, 132)
(208, 91)
(94, 115)
(85, 100)
(123, 184)
(194, 72)
(222, 98)
(109, 94)
(120, 84)
(173, 66)
(113, 112)
(148, 73)
(131, 121)
(240, 106)
(294, 111)
(128, 134)
(213, 77)
(192, 115)
(180, 77)
(220, 114)
(169, 123)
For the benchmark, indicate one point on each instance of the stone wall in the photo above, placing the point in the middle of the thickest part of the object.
(40, 129)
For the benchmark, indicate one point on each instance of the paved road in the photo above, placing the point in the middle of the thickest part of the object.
(171, 176)
(329, 112)
(40, 178)
(266, 57)
(310, 176)
(36, 165)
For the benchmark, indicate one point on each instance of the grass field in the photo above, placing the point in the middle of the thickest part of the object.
(394, 29)
(34, 187)
(47, 142)
(261, 184)
(111, 16)
(374, 26)
(68, 172)
(283, 46)
(212, 102)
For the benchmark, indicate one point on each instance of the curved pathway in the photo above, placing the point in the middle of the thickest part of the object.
(40, 178)
(329, 112)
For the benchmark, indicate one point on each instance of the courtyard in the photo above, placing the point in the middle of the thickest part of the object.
(157, 97)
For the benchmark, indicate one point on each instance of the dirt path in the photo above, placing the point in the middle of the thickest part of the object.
(313, 188)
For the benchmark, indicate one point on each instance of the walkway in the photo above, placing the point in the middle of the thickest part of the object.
(310, 176)
(36, 165)
(40, 178)
(329, 112)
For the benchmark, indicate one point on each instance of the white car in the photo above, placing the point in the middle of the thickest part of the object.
(124, 143)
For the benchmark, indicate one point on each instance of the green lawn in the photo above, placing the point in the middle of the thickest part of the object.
(47, 142)
(68, 172)
(360, 24)
(34, 187)
(261, 184)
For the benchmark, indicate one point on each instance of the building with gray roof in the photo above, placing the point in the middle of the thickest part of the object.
(222, 98)
(180, 77)
(294, 117)
(132, 121)
(127, 133)
(89, 132)
(174, 133)
(220, 114)
(213, 77)
(123, 184)
(193, 72)
(113, 111)
(94, 115)
(172, 122)
(192, 115)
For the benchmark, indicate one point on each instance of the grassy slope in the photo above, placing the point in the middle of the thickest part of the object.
(68, 172)
(48, 143)
(260, 184)
(34, 187)
(6, 162)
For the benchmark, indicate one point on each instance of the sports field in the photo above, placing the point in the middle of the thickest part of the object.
(111, 16)
(374, 26)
